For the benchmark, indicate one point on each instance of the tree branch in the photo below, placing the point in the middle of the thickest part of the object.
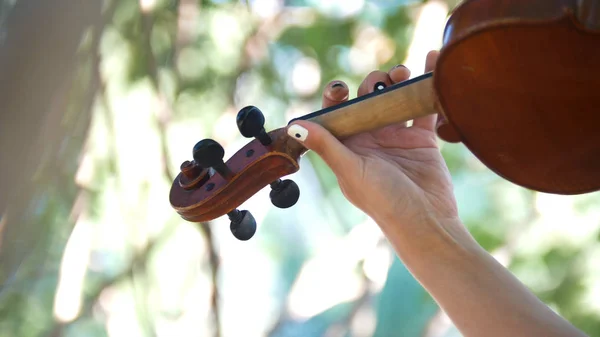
(164, 114)
(214, 268)
(162, 119)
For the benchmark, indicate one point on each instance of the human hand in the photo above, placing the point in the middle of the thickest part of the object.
(398, 176)
(396, 172)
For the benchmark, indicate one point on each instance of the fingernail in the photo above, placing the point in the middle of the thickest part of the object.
(338, 92)
(297, 132)
(400, 66)
(379, 86)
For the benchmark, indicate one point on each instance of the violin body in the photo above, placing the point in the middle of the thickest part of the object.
(517, 82)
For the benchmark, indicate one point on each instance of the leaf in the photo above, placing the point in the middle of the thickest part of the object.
(317, 325)
(403, 308)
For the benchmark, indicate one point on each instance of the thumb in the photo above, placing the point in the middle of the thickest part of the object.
(316, 138)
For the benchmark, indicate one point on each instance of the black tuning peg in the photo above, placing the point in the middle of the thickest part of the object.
(243, 225)
(284, 194)
(208, 153)
(251, 123)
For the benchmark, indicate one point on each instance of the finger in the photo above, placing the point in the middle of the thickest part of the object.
(428, 122)
(335, 92)
(373, 81)
(377, 78)
(431, 60)
(399, 74)
(336, 155)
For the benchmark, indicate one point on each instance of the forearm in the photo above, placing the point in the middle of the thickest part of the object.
(479, 295)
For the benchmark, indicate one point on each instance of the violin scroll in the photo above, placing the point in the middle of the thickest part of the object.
(208, 187)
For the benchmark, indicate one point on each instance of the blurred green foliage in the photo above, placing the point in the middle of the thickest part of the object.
(164, 74)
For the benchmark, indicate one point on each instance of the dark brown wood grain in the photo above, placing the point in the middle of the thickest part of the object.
(519, 82)
(471, 16)
(254, 166)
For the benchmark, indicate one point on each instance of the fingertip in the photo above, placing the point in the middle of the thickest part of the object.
(337, 84)
(431, 60)
(301, 129)
(336, 91)
(373, 82)
(312, 136)
(399, 73)
(318, 139)
(297, 131)
(433, 54)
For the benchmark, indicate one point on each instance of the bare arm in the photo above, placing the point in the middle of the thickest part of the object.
(479, 295)
(398, 176)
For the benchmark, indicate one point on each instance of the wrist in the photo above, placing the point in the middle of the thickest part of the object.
(429, 237)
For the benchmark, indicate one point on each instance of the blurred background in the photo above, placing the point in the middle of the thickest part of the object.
(101, 101)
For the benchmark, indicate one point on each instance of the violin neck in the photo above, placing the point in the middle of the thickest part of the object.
(398, 103)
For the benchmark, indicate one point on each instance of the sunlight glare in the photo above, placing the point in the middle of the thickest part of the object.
(372, 48)
(503, 255)
(85, 173)
(341, 8)
(298, 109)
(306, 76)
(122, 319)
(427, 36)
(223, 131)
(192, 306)
(377, 264)
(246, 289)
(227, 31)
(147, 5)
(591, 298)
(362, 61)
(67, 302)
(559, 225)
(364, 322)
(561, 221)
(330, 277)
(266, 8)
(439, 325)
(323, 283)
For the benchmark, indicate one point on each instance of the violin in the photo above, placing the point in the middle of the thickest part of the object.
(517, 82)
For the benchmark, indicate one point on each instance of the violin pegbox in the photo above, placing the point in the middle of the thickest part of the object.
(207, 187)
